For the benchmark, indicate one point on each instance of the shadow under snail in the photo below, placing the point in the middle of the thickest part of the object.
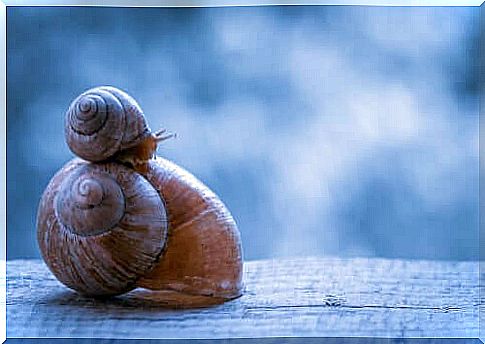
(118, 217)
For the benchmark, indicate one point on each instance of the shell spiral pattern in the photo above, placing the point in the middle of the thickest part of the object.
(103, 121)
(100, 227)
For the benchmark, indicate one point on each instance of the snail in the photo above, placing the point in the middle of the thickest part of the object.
(118, 219)
(105, 122)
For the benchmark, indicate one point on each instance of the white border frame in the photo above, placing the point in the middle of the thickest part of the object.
(229, 3)
(3, 172)
(133, 3)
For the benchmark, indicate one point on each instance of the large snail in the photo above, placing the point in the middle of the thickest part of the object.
(121, 218)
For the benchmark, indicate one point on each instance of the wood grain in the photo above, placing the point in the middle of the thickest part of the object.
(309, 297)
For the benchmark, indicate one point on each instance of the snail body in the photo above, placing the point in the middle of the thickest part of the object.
(122, 218)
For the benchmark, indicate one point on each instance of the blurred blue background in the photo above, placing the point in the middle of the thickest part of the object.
(349, 131)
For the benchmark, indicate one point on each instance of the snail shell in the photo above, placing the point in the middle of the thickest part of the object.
(104, 229)
(102, 122)
(100, 227)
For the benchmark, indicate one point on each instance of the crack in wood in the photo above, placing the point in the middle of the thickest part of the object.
(444, 309)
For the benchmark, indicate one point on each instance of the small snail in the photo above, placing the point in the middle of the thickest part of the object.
(125, 220)
(105, 122)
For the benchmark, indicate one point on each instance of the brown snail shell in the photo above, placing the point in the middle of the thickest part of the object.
(100, 227)
(174, 235)
(103, 121)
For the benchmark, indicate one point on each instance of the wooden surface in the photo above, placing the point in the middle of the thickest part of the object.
(308, 297)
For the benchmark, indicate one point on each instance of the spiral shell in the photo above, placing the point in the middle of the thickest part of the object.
(100, 227)
(103, 121)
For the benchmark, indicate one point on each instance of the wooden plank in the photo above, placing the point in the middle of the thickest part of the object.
(309, 297)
